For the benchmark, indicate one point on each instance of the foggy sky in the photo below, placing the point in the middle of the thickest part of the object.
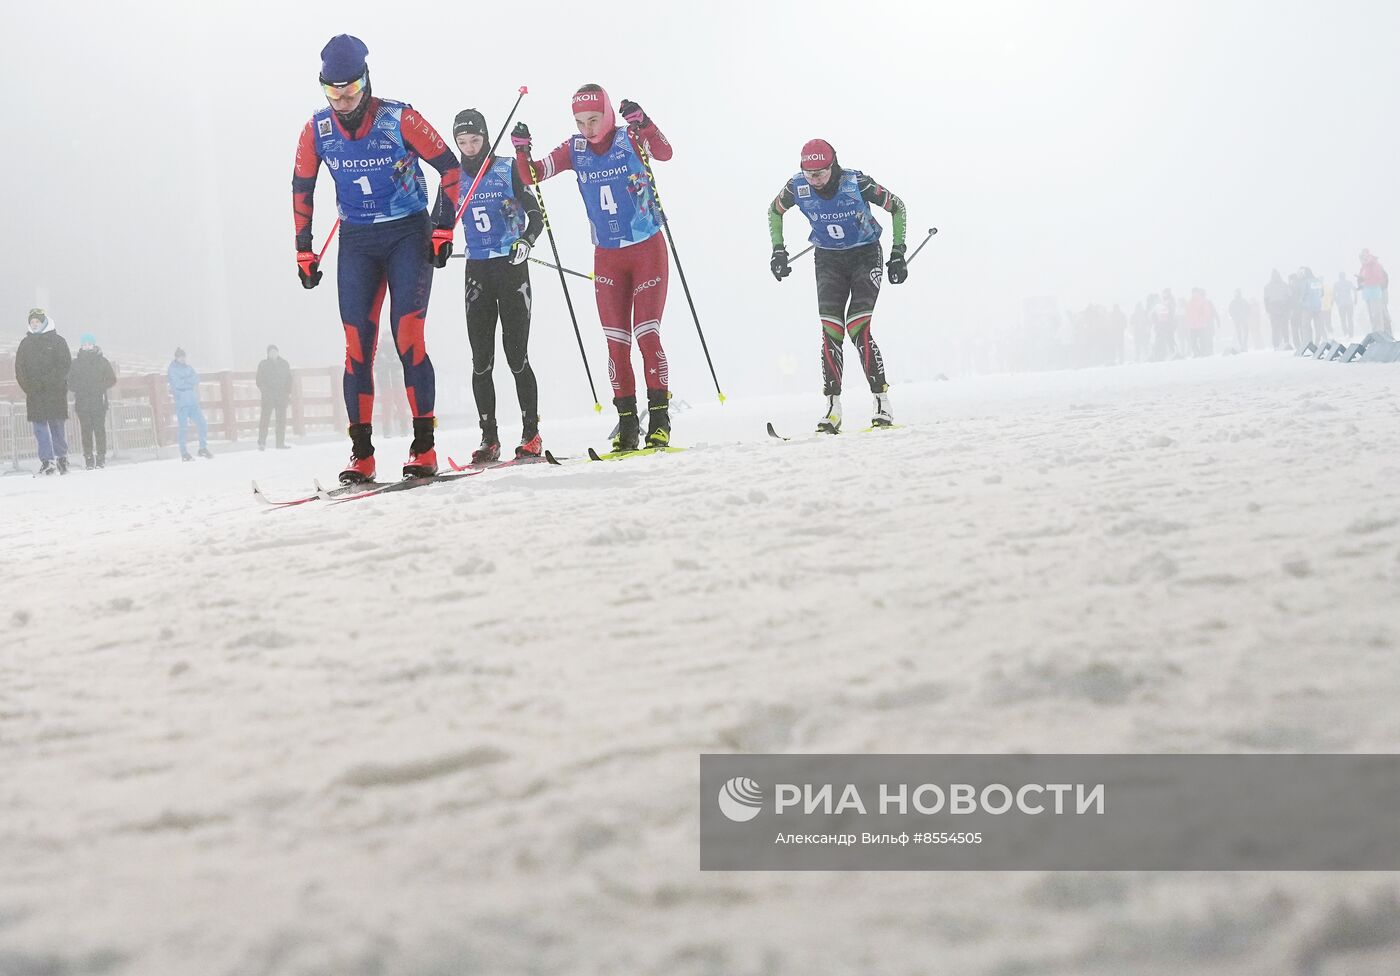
(1091, 151)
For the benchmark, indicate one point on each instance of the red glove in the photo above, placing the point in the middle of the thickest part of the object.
(440, 247)
(308, 269)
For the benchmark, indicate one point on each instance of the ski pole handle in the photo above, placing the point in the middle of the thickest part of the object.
(931, 232)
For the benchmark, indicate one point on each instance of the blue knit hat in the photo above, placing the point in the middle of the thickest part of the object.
(87, 339)
(343, 59)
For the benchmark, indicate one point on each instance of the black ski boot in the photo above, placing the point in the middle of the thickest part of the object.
(422, 453)
(658, 418)
(531, 446)
(88, 464)
(361, 465)
(62, 465)
(628, 428)
(490, 450)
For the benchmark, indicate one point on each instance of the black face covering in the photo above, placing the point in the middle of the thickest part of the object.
(471, 164)
(471, 121)
(352, 119)
(832, 184)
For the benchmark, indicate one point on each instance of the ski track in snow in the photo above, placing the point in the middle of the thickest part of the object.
(456, 730)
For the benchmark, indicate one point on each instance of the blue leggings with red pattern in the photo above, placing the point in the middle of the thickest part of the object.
(373, 258)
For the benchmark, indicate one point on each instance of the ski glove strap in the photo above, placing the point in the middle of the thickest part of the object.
(779, 264)
(520, 251)
(308, 269)
(440, 247)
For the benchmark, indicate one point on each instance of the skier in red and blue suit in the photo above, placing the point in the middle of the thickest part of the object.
(629, 258)
(388, 239)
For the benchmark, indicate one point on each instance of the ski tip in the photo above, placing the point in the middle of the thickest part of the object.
(772, 432)
(593, 455)
(549, 456)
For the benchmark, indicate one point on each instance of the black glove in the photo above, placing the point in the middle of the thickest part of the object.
(898, 270)
(633, 114)
(308, 269)
(778, 265)
(520, 138)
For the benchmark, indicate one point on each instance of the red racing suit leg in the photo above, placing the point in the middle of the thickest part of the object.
(630, 287)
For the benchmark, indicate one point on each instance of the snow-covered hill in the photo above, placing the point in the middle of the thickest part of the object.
(456, 730)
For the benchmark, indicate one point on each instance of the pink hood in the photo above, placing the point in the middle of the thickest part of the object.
(597, 101)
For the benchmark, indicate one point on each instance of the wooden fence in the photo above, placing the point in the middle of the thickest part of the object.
(142, 414)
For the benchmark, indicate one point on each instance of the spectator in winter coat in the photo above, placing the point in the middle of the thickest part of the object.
(1276, 304)
(1314, 327)
(90, 379)
(1298, 317)
(184, 388)
(1142, 330)
(1164, 325)
(1374, 285)
(1239, 318)
(41, 368)
(275, 384)
(1117, 330)
(1344, 297)
(1202, 322)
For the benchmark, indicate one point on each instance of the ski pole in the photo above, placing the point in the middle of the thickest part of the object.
(554, 248)
(576, 274)
(931, 232)
(799, 254)
(540, 261)
(666, 226)
(482, 171)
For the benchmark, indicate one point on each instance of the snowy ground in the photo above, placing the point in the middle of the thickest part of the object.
(456, 730)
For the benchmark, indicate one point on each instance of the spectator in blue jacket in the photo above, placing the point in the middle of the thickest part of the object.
(184, 388)
(1315, 326)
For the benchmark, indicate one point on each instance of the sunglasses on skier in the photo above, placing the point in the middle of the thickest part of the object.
(345, 90)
